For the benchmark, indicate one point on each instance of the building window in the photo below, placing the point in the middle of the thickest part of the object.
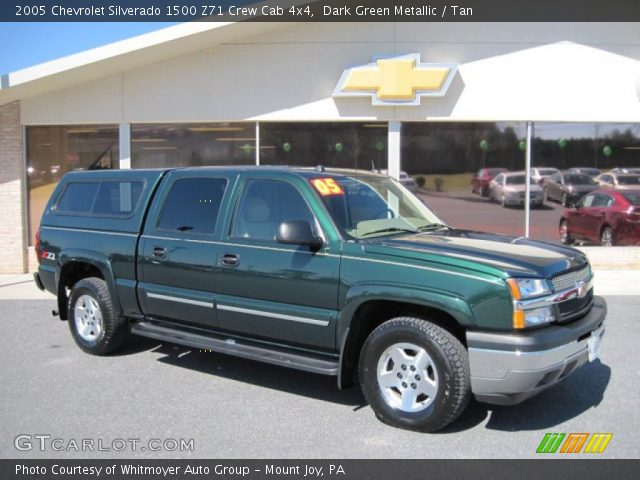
(454, 163)
(598, 146)
(54, 151)
(193, 144)
(341, 145)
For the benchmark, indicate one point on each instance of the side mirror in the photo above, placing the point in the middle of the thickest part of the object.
(298, 232)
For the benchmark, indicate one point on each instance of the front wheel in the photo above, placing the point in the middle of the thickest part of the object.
(565, 237)
(606, 237)
(93, 320)
(414, 374)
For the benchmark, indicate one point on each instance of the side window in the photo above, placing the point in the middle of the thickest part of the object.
(264, 205)
(588, 201)
(77, 197)
(600, 200)
(117, 198)
(499, 179)
(607, 178)
(557, 178)
(192, 205)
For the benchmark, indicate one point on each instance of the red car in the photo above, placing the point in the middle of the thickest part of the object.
(480, 181)
(607, 217)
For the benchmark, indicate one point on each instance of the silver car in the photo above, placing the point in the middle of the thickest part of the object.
(619, 181)
(509, 189)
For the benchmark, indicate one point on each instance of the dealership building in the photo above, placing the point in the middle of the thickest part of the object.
(435, 99)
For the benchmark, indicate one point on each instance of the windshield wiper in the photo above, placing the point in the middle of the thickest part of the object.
(390, 230)
(432, 226)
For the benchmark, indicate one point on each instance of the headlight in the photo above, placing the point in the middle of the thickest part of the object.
(527, 288)
(523, 288)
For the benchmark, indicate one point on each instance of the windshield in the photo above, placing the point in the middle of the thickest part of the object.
(630, 180)
(547, 171)
(517, 180)
(366, 206)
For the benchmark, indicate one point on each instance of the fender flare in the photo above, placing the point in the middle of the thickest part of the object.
(93, 258)
(360, 294)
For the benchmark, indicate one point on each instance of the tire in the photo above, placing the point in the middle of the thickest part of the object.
(436, 388)
(484, 192)
(607, 237)
(563, 230)
(95, 326)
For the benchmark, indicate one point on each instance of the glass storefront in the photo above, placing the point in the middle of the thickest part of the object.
(54, 151)
(196, 144)
(453, 164)
(340, 145)
(587, 145)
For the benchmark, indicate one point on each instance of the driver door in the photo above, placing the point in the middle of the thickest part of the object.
(265, 289)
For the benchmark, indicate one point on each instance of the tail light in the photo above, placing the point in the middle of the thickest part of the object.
(38, 245)
(634, 214)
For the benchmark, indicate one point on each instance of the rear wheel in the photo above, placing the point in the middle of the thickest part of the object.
(414, 374)
(606, 237)
(563, 229)
(93, 321)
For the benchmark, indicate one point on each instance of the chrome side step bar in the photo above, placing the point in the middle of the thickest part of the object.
(236, 348)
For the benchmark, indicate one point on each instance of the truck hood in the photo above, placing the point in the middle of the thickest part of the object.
(514, 256)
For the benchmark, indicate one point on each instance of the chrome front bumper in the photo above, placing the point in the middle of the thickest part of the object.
(509, 368)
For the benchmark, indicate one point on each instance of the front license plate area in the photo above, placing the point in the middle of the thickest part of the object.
(593, 343)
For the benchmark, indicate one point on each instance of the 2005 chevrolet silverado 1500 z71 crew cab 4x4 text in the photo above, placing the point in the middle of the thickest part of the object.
(335, 272)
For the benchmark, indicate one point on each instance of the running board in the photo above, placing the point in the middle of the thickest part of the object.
(232, 347)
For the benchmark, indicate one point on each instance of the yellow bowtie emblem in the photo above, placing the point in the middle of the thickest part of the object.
(396, 81)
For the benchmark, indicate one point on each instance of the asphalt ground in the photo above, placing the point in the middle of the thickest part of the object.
(235, 408)
(463, 209)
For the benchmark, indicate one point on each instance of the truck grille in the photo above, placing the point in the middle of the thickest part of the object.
(568, 280)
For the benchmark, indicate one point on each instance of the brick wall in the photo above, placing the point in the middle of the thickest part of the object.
(13, 257)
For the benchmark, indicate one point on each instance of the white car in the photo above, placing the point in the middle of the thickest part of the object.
(408, 182)
(538, 174)
(509, 189)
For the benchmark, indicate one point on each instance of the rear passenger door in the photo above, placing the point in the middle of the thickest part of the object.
(177, 252)
(281, 293)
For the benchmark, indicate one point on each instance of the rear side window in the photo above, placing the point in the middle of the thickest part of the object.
(78, 197)
(117, 198)
(109, 198)
(192, 205)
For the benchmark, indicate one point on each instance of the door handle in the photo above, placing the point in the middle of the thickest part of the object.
(230, 259)
(159, 252)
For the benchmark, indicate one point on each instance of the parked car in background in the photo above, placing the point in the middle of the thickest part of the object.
(592, 172)
(568, 188)
(480, 180)
(538, 174)
(509, 189)
(634, 171)
(407, 182)
(619, 181)
(607, 217)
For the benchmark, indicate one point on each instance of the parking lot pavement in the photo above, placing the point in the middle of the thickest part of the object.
(235, 408)
(463, 209)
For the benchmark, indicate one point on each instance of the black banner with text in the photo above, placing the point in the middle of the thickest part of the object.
(319, 11)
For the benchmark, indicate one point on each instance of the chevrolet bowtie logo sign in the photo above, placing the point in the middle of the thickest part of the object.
(400, 80)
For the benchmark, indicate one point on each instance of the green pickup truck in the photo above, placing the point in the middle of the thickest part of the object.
(335, 272)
